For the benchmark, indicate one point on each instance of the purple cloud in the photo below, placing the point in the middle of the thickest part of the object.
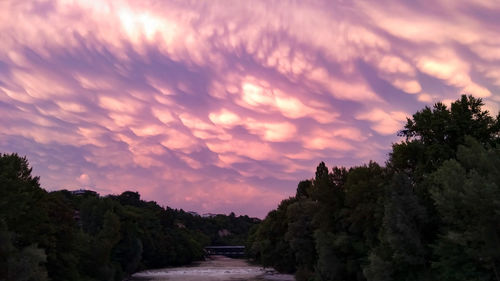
(223, 106)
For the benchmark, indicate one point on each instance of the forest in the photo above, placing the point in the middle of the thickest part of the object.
(432, 212)
(63, 235)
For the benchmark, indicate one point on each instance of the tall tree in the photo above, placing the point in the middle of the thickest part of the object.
(467, 196)
(402, 253)
(432, 135)
(270, 247)
(300, 236)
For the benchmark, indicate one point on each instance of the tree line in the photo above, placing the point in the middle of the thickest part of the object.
(431, 213)
(63, 235)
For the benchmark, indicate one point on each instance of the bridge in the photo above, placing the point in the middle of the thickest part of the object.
(228, 251)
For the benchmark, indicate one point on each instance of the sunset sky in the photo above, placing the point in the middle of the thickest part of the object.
(220, 106)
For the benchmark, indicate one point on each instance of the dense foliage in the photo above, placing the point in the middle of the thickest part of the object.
(64, 235)
(432, 213)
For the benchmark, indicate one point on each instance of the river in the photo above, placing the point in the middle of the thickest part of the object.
(216, 268)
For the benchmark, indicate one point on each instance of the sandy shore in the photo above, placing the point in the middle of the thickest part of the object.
(217, 268)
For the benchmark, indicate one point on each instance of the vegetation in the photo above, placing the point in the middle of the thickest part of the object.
(65, 236)
(432, 213)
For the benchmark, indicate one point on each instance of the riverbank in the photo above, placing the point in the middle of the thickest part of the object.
(216, 268)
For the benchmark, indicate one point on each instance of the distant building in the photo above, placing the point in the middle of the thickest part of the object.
(209, 215)
(83, 192)
(194, 213)
(256, 220)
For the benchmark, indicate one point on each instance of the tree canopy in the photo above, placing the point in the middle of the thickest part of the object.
(63, 235)
(432, 213)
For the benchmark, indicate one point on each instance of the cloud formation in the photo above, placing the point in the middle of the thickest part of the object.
(222, 106)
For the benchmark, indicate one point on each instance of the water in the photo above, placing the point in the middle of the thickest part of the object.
(217, 268)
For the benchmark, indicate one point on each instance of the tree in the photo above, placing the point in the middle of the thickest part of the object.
(270, 248)
(26, 264)
(328, 190)
(21, 199)
(364, 195)
(467, 196)
(304, 189)
(300, 236)
(21, 207)
(433, 135)
(405, 221)
(402, 253)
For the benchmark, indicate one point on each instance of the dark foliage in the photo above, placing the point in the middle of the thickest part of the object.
(64, 235)
(433, 213)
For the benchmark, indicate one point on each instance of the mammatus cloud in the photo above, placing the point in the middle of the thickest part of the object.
(224, 106)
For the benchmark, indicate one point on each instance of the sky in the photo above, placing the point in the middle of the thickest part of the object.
(220, 106)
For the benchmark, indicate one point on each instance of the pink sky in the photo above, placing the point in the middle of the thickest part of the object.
(223, 106)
